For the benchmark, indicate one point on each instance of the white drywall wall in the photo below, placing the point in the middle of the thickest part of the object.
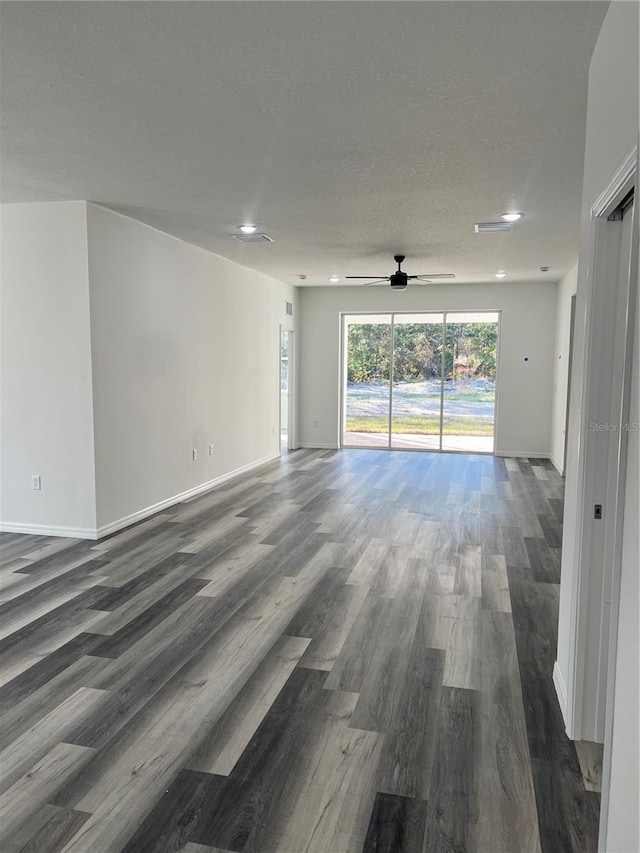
(186, 353)
(566, 289)
(527, 329)
(611, 132)
(46, 413)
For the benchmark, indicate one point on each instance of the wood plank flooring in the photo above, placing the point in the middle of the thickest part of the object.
(342, 652)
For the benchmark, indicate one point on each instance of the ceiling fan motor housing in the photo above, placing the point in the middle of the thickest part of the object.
(398, 280)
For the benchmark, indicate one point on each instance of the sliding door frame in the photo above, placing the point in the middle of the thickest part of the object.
(342, 398)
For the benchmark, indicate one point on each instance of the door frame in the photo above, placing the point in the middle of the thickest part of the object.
(342, 397)
(572, 327)
(583, 579)
(629, 335)
(292, 424)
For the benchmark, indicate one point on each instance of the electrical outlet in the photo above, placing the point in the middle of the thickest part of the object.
(194, 453)
(211, 450)
(36, 482)
(316, 424)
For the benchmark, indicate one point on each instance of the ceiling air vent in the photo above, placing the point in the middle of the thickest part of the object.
(481, 227)
(252, 238)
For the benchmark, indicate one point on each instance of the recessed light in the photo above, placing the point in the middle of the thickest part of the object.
(511, 216)
(335, 278)
(501, 274)
(545, 269)
(247, 228)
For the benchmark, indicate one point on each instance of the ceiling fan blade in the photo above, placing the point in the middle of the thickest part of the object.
(377, 278)
(379, 281)
(435, 275)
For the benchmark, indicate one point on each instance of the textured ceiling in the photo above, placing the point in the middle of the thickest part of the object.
(348, 131)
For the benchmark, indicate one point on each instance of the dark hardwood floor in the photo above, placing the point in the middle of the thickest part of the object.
(345, 651)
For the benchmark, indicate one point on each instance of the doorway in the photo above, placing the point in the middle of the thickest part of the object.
(599, 549)
(286, 390)
(572, 327)
(420, 381)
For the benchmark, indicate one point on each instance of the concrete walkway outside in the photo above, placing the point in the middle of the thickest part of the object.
(408, 441)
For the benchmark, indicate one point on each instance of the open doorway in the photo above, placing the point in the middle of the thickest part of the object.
(286, 390)
(572, 328)
(420, 381)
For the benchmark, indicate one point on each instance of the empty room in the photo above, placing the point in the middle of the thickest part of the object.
(319, 427)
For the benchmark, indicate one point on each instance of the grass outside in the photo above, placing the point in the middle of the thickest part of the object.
(420, 426)
(468, 407)
(469, 395)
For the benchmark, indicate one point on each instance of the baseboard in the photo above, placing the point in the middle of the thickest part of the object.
(556, 465)
(127, 520)
(521, 454)
(48, 530)
(561, 692)
(307, 445)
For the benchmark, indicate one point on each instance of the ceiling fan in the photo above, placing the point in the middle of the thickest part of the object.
(399, 279)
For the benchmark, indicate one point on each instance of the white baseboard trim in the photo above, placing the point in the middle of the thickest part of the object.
(317, 446)
(556, 465)
(521, 454)
(127, 520)
(561, 692)
(48, 530)
(106, 529)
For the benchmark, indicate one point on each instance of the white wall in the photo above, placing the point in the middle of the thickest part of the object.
(185, 349)
(527, 329)
(46, 411)
(123, 349)
(611, 132)
(566, 288)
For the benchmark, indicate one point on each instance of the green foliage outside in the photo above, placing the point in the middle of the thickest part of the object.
(469, 351)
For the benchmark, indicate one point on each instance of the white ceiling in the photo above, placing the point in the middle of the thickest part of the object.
(348, 131)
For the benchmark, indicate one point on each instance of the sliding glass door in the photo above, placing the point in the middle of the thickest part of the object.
(417, 372)
(423, 381)
(367, 389)
(469, 398)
